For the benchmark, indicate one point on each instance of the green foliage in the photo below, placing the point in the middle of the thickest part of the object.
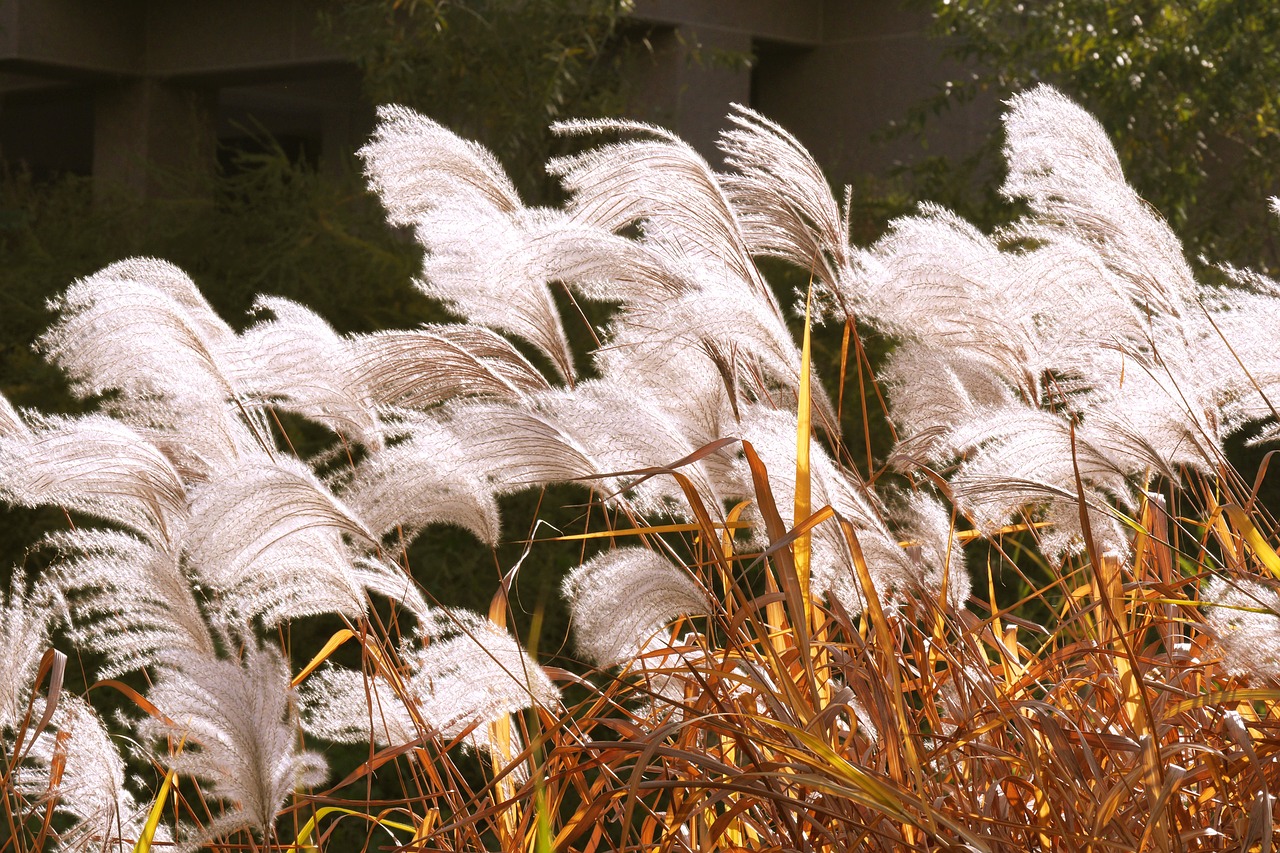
(266, 226)
(497, 71)
(1186, 89)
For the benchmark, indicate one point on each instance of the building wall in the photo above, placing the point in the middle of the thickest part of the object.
(154, 83)
(839, 97)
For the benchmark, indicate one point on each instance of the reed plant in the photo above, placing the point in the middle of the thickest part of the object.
(770, 650)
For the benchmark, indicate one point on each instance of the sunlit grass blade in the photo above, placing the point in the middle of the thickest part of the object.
(804, 429)
(149, 828)
(1257, 543)
(651, 529)
(339, 637)
(303, 839)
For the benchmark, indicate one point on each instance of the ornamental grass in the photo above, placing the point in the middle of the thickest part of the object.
(1043, 616)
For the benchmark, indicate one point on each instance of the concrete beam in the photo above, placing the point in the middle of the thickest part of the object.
(229, 41)
(797, 22)
(71, 39)
(216, 42)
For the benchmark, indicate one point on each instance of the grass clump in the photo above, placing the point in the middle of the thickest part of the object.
(769, 650)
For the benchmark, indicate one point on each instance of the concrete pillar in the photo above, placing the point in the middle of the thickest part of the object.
(875, 61)
(152, 136)
(687, 80)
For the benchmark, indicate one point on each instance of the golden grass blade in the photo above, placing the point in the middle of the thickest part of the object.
(728, 527)
(134, 696)
(844, 367)
(501, 738)
(143, 844)
(329, 648)
(1229, 698)
(967, 536)
(505, 800)
(303, 841)
(1253, 538)
(866, 788)
(732, 524)
(888, 647)
(775, 613)
(425, 826)
(804, 428)
(1154, 782)
(53, 664)
(1219, 526)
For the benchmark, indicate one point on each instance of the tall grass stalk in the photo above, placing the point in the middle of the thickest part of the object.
(1048, 620)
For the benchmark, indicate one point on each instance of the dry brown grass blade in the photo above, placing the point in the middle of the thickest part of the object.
(795, 619)
(53, 665)
(775, 529)
(888, 651)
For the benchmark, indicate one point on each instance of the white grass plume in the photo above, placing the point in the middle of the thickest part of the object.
(96, 465)
(141, 327)
(393, 582)
(521, 448)
(267, 539)
(624, 430)
(744, 338)
(1238, 363)
(469, 217)
(674, 300)
(598, 428)
(468, 673)
(431, 477)
(129, 600)
(1052, 326)
(931, 391)
(422, 368)
(10, 420)
(201, 437)
(295, 360)
(1019, 314)
(1244, 617)
(620, 599)
(1084, 311)
(25, 618)
(1021, 457)
(417, 165)
(90, 787)
(602, 265)
(681, 381)
(238, 725)
(471, 672)
(346, 706)
(476, 263)
(784, 204)
(660, 183)
(660, 180)
(1161, 418)
(1062, 163)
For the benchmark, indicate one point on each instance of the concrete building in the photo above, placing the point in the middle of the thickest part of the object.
(117, 89)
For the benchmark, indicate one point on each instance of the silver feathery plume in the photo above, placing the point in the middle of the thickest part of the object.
(234, 727)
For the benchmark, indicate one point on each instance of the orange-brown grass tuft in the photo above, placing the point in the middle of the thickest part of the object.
(1109, 724)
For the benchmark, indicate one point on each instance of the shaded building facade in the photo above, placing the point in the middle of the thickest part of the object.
(118, 90)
